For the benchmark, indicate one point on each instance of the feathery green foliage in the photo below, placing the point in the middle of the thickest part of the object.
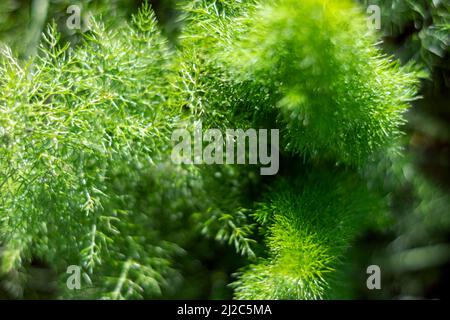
(307, 234)
(80, 130)
(85, 170)
(312, 70)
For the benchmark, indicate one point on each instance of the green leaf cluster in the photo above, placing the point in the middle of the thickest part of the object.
(85, 170)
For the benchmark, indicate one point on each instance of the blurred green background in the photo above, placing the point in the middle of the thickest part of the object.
(414, 250)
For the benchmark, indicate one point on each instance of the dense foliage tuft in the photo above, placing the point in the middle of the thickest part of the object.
(85, 171)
